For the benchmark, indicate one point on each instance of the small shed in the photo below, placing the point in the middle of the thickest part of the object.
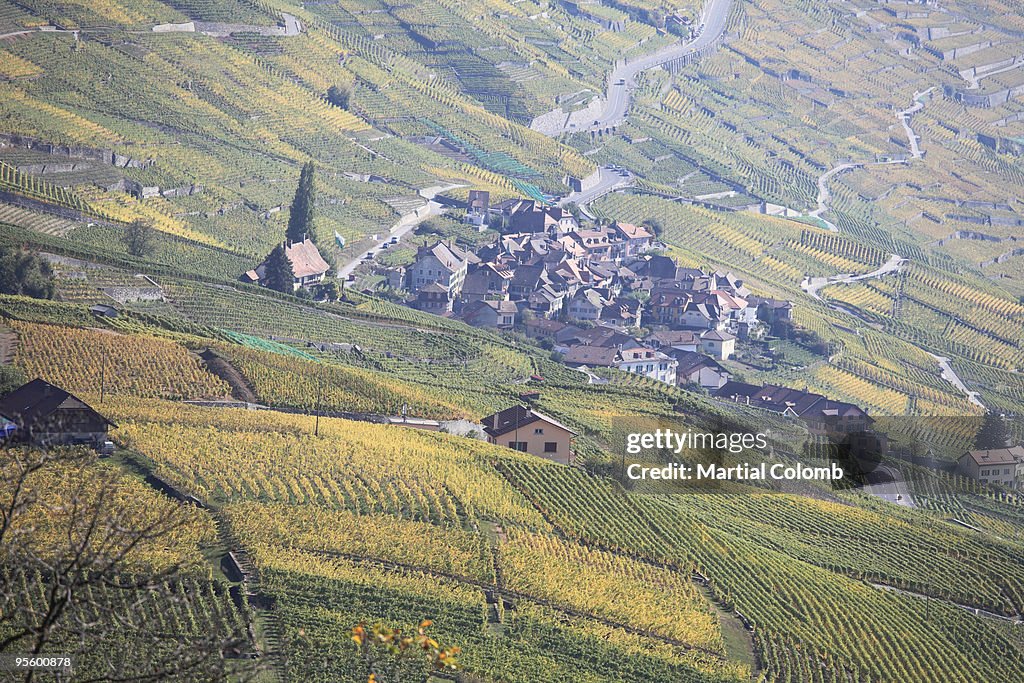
(104, 311)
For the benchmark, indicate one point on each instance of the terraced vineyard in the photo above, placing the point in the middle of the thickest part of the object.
(118, 364)
(861, 162)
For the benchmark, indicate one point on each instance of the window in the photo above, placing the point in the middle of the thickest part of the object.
(538, 430)
(1006, 470)
(517, 445)
(550, 446)
(983, 473)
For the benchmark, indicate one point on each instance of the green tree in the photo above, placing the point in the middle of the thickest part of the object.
(992, 432)
(22, 272)
(340, 95)
(300, 220)
(278, 271)
(329, 290)
(139, 239)
(11, 377)
(654, 225)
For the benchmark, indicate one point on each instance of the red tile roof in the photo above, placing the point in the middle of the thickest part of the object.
(306, 259)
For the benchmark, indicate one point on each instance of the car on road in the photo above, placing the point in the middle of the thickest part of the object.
(385, 245)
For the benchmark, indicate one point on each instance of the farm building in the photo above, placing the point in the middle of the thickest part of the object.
(45, 415)
(523, 429)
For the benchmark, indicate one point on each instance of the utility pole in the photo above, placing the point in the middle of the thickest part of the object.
(103, 375)
(319, 394)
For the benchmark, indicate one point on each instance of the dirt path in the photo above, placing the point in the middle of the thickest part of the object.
(8, 345)
(241, 389)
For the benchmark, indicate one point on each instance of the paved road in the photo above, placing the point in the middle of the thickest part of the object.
(49, 28)
(905, 116)
(949, 374)
(622, 80)
(404, 226)
(811, 285)
(292, 25)
(824, 196)
(610, 179)
(887, 483)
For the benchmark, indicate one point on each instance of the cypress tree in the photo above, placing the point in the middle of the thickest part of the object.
(278, 271)
(300, 220)
(992, 433)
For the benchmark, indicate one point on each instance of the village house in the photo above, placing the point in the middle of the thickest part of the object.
(587, 304)
(529, 215)
(600, 244)
(667, 307)
(434, 298)
(1001, 466)
(623, 312)
(770, 310)
(486, 281)
(308, 266)
(821, 415)
(699, 370)
(523, 429)
(602, 335)
(641, 360)
(45, 415)
(499, 314)
(478, 208)
(636, 238)
(540, 328)
(581, 355)
(525, 280)
(442, 264)
(718, 345)
(666, 340)
(546, 302)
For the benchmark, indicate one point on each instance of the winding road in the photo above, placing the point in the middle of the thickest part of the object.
(905, 116)
(887, 483)
(622, 79)
(405, 224)
(811, 285)
(949, 374)
(609, 179)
